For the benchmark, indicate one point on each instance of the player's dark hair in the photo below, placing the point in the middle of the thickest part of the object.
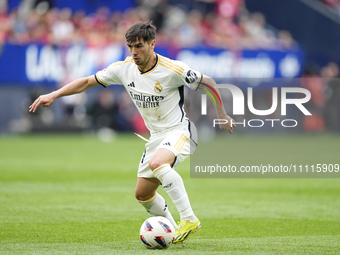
(139, 30)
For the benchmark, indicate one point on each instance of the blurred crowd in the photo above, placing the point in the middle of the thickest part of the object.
(210, 23)
(324, 85)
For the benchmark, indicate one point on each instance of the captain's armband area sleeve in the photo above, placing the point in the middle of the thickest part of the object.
(193, 79)
(190, 77)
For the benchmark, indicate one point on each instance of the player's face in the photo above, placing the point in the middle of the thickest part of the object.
(141, 51)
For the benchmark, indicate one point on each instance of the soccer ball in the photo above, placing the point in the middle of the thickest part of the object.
(157, 233)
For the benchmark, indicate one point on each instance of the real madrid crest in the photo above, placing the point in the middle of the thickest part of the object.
(158, 88)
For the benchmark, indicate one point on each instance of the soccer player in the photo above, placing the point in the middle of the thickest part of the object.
(155, 84)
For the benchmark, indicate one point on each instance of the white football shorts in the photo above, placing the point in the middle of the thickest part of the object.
(182, 142)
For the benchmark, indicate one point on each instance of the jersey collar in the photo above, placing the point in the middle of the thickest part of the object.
(151, 69)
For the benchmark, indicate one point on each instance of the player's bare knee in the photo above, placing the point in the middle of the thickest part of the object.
(154, 164)
(140, 196)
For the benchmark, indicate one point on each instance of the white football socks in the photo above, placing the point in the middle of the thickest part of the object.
(156, 206)
(173, 184)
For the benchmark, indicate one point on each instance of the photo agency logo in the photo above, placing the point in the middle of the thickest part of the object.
(296, 96)
(278, 107)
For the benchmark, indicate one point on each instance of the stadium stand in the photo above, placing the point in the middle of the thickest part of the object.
(227, 26)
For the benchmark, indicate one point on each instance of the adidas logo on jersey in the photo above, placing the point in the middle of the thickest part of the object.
(168, 143)
(132, 84)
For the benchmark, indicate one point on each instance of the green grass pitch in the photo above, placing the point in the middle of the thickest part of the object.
(68, 194)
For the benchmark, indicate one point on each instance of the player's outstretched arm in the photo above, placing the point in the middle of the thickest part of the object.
(74, 87)
(208, 85)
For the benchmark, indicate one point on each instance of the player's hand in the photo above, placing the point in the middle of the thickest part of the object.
(228, 126)
(44, 100)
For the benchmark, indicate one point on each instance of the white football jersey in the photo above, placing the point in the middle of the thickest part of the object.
(157, 93)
